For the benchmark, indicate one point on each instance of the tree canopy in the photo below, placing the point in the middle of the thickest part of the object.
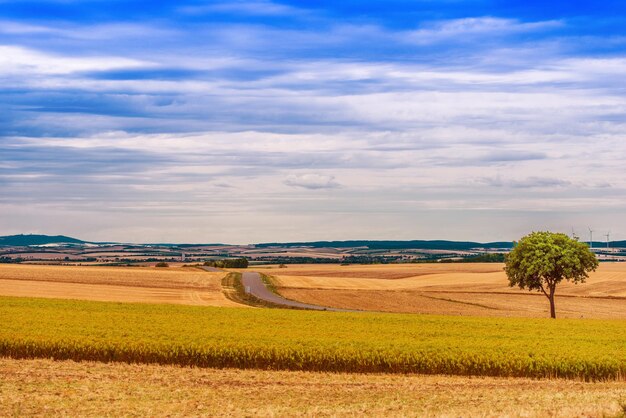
(541, 260)
(229, 263)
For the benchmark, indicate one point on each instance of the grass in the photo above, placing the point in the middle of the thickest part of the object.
(267, 281)
(312, 341)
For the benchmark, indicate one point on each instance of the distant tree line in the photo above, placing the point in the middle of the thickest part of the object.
(296, 260)
(229, 263)
(383, 259)
(482, 258)
(367, 259)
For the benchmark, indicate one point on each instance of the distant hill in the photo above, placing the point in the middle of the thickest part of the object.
(26, 240)
(396, 245)
(23, 240)
(612, 244)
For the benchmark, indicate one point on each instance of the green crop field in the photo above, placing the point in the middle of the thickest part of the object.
(303, 340)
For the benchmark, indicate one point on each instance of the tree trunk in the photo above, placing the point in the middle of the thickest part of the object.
(552, 307)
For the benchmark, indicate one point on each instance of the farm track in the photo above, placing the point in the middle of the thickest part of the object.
(254, 285)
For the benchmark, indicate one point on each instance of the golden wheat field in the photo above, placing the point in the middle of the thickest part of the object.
(66, 388)
(180, 285)
(479, 289)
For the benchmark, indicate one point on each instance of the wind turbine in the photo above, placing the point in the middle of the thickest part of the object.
(574, 236)
(607, 235)
(590, 237)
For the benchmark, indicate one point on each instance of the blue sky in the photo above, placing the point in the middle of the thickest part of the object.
(250, 121)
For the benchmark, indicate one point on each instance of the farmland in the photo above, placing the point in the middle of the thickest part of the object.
(272, 362)
(313, 341)
(66, 388)
(470, 289)
(458, 289)
(187, 286)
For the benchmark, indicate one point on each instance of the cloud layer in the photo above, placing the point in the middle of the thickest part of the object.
(264, 121)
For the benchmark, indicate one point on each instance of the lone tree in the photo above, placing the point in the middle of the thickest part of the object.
(541, 260)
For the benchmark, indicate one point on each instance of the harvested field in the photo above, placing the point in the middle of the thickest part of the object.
(386, 271)
(457, 289)
(185, 286)
(45, 256)
(175, 278)
(66, 388)
(472, 304)
(113, 293)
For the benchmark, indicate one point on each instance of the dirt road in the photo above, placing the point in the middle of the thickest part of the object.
(254, 285)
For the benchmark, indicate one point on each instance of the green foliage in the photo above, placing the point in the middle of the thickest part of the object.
(542, 260)
(481, 258)
(295, 260)
(229, 263)
(9, 260)
(316, 341)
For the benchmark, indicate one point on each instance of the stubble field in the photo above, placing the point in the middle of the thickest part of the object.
(67, 388)
(180, 285)
(449, 289)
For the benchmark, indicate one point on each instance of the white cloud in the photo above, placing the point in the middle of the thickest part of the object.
(17, 60)
(527, 183)
(505, 137)
(259, 8)
(17, 28)
(312, 181)
(476, 26)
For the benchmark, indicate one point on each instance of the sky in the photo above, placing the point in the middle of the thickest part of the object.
(197, 121)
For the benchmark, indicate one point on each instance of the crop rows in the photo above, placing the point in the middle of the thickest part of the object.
(315, 341)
